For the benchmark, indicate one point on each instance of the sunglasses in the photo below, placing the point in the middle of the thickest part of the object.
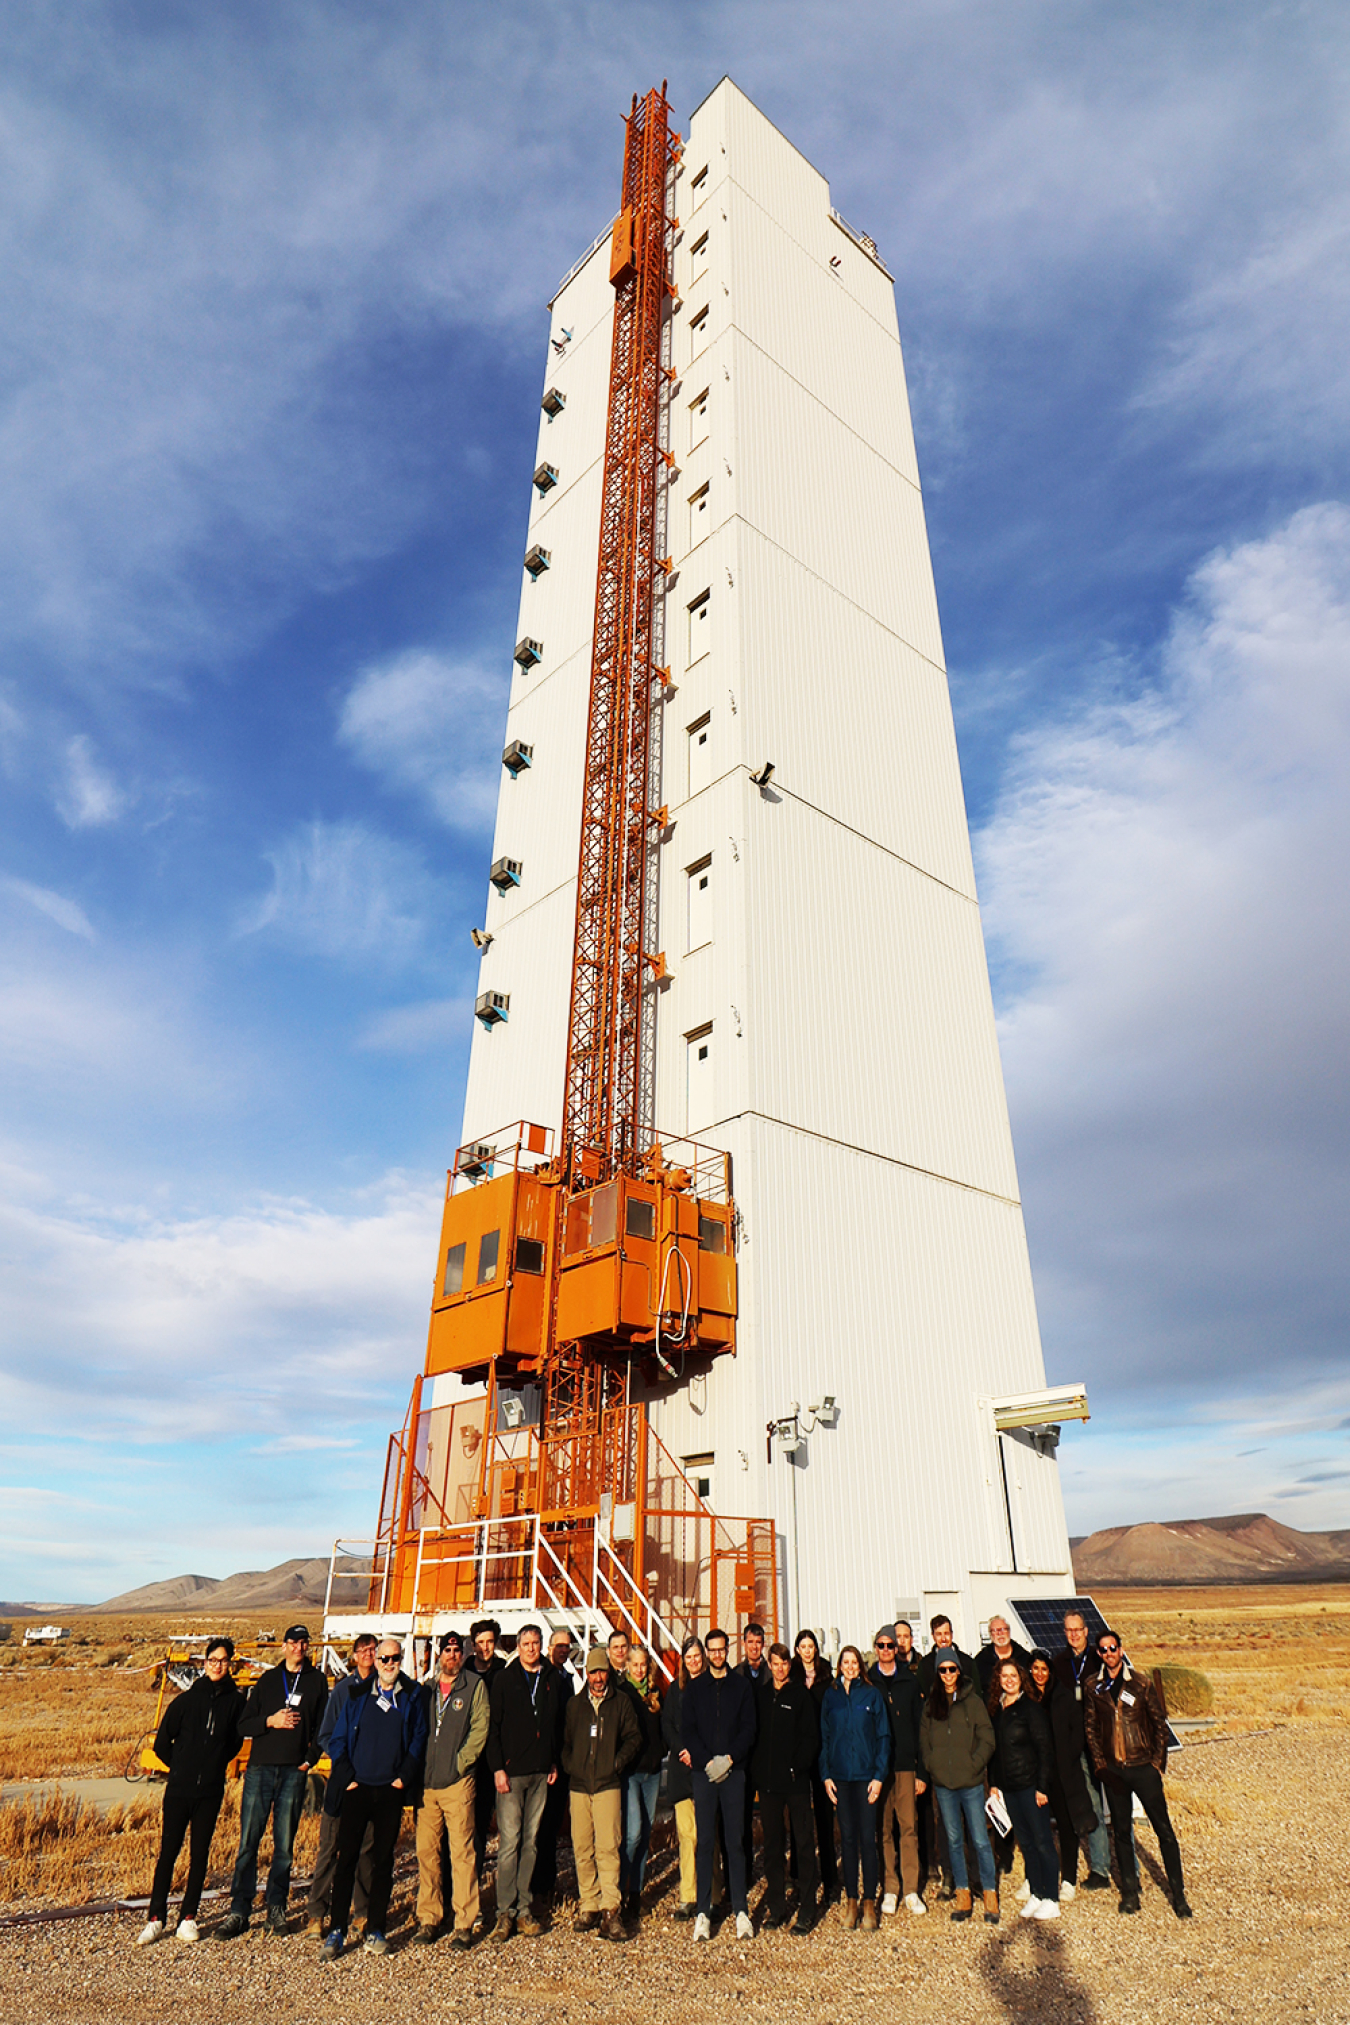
(1108, 1645)
(885, 1645)
(388, 1658)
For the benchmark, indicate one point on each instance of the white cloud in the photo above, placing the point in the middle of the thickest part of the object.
(341, 890)
(282, 1319)
(88, 796)
(67, 914)
(433, 725)
(1162, 886)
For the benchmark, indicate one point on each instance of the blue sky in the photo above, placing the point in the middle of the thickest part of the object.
(273, 329)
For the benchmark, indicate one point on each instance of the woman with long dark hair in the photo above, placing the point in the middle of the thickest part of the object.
(855, 1756)
(197, 1737)
(810, 1665)
(1070, 1801)
(1020, 1772)
(957, 1740)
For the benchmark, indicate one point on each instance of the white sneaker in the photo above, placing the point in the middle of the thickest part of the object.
(888, 1904)
(1031, 1909)
(1023, 1892)
(149, 1933)
(703, 1928)
(1067, 1893)
(1046, 1909)
(914, 1903)
(187, 1931)
(744, 1930)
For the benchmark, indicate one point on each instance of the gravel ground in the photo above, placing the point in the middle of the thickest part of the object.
(1267, 1942)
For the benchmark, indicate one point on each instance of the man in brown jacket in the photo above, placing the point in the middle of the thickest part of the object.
(1127, 1739)
(601, 1739)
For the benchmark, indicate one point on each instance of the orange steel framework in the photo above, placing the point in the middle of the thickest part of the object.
(563, 1265)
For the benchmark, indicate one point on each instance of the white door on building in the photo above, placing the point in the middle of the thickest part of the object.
(698, 918)
(699, 1106)
(700, 755)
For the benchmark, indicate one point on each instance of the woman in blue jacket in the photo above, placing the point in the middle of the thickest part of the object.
(855, 1756)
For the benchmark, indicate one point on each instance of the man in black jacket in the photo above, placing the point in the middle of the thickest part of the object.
(718, 1731)
(785, 1750)
(527, 1703)
(483, 1660)
(1001, 1646)
(1076, 1667)
(282, 1719)
(602, 1737)
(898, 1811)
(197, 1737)
(325, 1863)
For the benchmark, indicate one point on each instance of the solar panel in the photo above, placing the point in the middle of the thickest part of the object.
(1041, 1622)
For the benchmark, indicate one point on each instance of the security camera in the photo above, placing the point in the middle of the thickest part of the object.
(513, 1412)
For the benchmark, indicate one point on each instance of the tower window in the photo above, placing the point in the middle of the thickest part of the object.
(698, 333)
(698, 420)
(700, 754)
(699, 629)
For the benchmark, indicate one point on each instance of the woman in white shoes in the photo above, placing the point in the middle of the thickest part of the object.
(1020, 1771)
(197, 1737)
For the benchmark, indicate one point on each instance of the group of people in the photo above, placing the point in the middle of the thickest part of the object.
(868, 1780)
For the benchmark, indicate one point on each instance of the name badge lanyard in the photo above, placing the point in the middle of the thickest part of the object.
(292, 1693)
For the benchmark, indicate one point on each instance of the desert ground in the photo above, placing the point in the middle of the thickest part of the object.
(1259, 1801)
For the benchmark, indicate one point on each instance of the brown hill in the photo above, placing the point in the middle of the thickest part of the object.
(299, 1585)
(1244, 1547)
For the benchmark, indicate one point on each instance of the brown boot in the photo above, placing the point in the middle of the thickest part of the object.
(850, 1913)
(869, 1916)
(991, 1908)
(612, 1927)
(963, 1906)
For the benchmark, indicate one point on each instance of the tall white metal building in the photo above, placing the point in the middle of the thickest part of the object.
(827, 1018)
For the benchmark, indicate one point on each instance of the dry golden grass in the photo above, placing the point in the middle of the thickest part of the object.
(1278, 1654)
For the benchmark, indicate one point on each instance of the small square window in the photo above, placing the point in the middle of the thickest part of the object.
(639, 1217)
(530, 1255)
(488, 1246)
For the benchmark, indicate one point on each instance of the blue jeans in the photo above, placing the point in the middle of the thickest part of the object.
(1031, 1826)
(1098, 1843)
(639, 1811)
(278, 1791)
(958, 1804)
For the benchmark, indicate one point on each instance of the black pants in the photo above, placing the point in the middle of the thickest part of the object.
(180, 1816)
(1122, 1783)
(484, 1804)
(824, 1813)
(1065, 1831)
(775, 1811)
(382, 1808)
(727, 1800)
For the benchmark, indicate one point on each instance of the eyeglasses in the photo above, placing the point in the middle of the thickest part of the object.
(388, 1658)
(1107, 1645)
(885, 1645)
(949, 1669)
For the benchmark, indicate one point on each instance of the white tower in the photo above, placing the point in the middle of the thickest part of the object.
(828, 1020)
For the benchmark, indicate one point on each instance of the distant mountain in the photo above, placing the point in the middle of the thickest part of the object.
(300, 1585)
(1245, 1547)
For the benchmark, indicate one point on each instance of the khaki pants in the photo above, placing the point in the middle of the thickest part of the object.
(684, 1828)
(898, 1814)
(597, 1830)
(451, 1807)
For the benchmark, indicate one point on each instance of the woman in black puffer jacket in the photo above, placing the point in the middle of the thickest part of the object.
(1021, 1771)
(196, 1739)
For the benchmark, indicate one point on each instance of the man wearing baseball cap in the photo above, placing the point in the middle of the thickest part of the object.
(457, 1726)
(601, 1739)
(282, 1720)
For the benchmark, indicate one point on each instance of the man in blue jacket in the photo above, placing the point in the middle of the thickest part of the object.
(378, 1743)
(717, 1728)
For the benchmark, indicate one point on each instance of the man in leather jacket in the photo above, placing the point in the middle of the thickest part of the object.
(1127, 1739)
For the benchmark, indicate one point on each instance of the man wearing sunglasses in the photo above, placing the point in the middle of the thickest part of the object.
(898, 1813)
(378, 1744)
(1127, 1737)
